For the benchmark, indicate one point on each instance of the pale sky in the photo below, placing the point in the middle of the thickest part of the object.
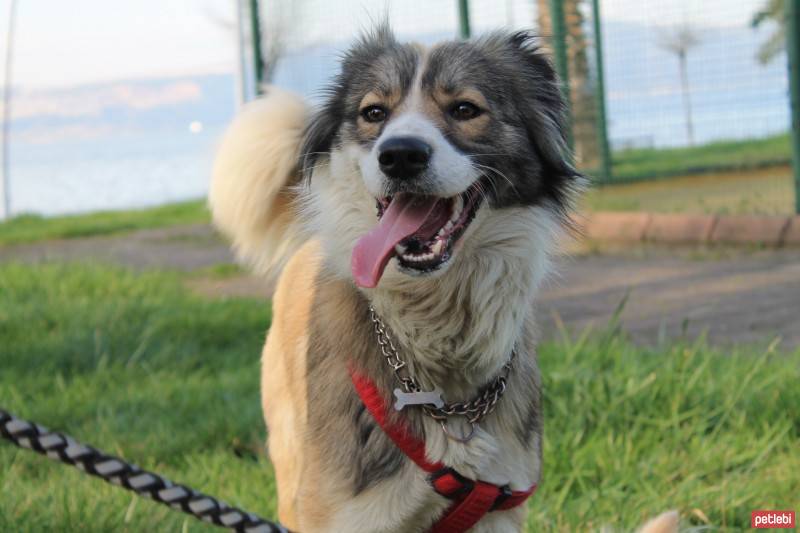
(73, 42)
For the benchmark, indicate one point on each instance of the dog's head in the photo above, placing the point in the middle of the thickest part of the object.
(414, 149)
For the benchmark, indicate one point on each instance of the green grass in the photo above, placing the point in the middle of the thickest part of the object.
(135, 365)
(647, 163)
(140, 367)
(631, 432)
(768, 191)
(29, 228)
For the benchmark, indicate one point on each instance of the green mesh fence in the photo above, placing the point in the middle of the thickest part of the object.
(687, 90)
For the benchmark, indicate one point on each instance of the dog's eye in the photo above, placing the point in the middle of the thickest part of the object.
(374, 113)
(464, 111)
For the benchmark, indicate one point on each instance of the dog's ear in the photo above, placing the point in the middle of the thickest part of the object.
(545, 114)
(320, 133)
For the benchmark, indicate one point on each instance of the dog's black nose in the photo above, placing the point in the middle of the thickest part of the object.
(404, 157)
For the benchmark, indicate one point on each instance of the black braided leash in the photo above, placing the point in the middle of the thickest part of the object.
(118, 472)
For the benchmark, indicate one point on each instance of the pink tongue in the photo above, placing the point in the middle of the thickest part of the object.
(405, 216)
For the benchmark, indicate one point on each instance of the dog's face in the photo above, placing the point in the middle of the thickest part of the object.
(429, 139)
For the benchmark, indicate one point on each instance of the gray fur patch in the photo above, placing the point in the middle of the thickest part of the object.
(376, 62)
(340, 336)
(524, 150)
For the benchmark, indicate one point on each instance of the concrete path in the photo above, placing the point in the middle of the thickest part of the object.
(180, 247)
(738, 298)
(733, 296)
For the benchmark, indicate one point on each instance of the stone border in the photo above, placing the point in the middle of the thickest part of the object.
(766, 230)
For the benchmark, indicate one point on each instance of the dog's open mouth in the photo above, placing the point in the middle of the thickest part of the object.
(420, 231)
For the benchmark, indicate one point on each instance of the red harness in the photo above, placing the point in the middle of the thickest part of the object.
(472, 499)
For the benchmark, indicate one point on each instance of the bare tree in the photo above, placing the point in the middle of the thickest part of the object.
(772, 11)
(679, 40)
(280, 20)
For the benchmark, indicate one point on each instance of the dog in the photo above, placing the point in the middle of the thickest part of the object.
(410, 219)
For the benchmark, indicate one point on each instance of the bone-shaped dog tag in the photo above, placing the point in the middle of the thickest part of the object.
(433, 398)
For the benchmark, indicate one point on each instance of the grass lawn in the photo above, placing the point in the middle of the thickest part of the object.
(28, 228)
(648, 163)
(766, 191)
(136, 365)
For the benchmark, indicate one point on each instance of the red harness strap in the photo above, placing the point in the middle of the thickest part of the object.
(472, 499)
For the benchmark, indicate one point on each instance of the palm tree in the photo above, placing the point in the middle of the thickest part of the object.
(679, 40)
(774, 11)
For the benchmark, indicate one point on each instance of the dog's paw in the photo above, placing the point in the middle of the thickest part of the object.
(664, 523)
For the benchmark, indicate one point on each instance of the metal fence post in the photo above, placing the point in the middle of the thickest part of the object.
(463, 19)
(241, 53)
(602, 124)
(560, 52)
(258, 58)
(5, 164)
(793, 53)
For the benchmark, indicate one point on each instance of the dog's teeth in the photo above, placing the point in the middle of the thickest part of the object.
(419, 258)
(445, 229)
(458, 206)
(400, 249)
(436, 250)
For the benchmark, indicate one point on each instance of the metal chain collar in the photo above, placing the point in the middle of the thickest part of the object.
(474, 410)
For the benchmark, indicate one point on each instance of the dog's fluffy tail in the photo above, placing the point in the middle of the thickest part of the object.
(252, 194)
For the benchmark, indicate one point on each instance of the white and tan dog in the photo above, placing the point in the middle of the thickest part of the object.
(430, 185)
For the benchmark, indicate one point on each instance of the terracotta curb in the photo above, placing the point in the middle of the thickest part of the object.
(792, 235)
(749, 229)
(617, 227)
(677, 228)
(669, 228)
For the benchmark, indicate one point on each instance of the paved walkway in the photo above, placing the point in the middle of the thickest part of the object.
(735, 296)
(743, 297)
(181, 247)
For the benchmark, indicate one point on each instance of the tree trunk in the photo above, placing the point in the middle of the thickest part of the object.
(687, 103)
(583, 105)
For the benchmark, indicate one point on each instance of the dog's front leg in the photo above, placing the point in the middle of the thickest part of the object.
(511, 521)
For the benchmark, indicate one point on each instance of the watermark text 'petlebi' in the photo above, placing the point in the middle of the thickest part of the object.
(772, 519)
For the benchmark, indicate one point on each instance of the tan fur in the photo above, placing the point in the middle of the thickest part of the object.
(370, 130)
(283, 375)
(311, 496)
(438, 102)
(251, 192)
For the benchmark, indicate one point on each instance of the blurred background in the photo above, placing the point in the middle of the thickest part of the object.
(681, 106)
